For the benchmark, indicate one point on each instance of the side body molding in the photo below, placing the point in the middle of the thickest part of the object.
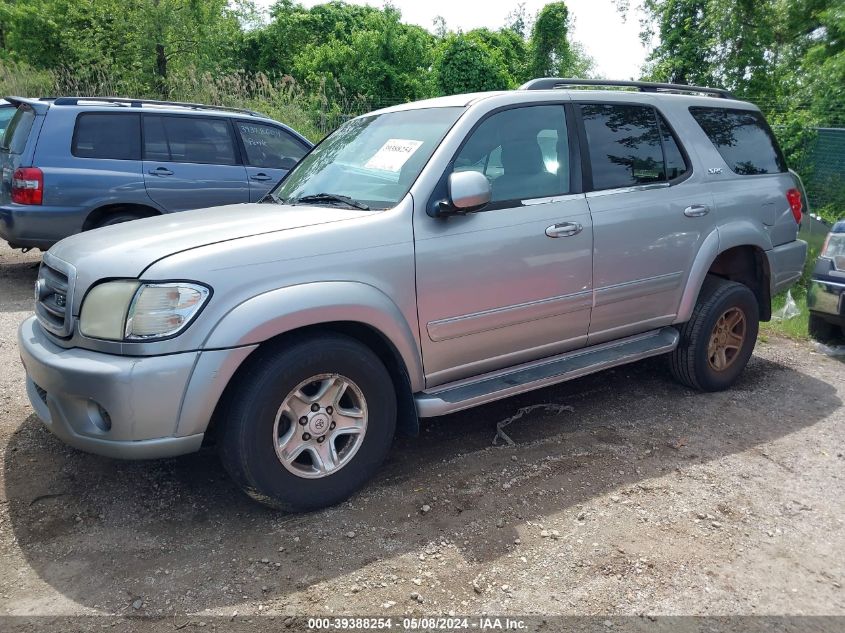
(725, 236)
(279, 311)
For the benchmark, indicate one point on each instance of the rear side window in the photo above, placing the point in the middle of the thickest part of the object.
(625, 145)
(111, 136)
(743, 138)
(187, 139)
(17, 133)
(269, 146)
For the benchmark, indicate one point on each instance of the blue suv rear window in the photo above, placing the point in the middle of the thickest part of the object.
(15, 137)
(106, 135)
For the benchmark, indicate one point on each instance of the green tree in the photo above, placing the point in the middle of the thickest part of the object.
(135, 43)
(380, 58)
(683, 52)
(274, 48)
(466, 64)
(551, 53)
(510, 47)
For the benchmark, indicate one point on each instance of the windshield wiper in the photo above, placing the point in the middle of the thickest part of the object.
(331, 197)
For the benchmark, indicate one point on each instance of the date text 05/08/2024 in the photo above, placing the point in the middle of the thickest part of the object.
(417, 624)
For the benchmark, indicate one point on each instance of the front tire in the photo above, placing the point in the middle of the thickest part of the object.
(717, 342)
(309, 423)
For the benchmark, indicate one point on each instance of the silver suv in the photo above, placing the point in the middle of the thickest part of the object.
(421, 260)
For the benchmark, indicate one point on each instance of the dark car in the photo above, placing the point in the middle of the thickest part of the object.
(72, 164)
(827, 287)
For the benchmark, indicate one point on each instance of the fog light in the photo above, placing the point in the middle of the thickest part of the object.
(99, 416)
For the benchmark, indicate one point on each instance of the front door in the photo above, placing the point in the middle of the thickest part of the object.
(270, 152)
(191, 162)
(650, 215)
(512, 282)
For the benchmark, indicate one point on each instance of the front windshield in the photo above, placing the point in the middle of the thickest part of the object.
(371, 160)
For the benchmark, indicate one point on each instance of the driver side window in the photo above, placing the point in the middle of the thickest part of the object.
(523, 152)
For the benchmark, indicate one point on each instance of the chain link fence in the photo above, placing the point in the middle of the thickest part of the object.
(824, 172)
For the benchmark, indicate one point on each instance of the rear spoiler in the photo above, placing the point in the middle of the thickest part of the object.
(39, 105)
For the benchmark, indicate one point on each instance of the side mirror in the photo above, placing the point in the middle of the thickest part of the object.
(468, 191)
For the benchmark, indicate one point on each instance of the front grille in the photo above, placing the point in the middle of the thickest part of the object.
(53, 295)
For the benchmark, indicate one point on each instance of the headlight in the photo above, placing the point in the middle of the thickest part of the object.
(133, 311)
(104, 309)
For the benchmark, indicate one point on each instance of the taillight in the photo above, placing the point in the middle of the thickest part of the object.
(28, 186)
(794, 198)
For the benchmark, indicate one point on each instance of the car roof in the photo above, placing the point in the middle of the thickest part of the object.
(838, 227)
(112, 103)
(450, 101)
(575, 94)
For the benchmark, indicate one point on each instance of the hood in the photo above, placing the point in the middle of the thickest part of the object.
(125, 250)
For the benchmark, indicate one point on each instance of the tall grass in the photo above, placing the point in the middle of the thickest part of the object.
(308, 109)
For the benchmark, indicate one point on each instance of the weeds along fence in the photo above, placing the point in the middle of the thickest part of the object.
(313, 110)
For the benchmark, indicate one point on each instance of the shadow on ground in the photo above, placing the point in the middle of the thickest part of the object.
(18, 273)
(101, 531)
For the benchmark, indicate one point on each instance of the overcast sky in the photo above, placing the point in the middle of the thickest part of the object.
(614, 44)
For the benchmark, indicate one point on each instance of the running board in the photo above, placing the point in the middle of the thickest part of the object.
(464, 394)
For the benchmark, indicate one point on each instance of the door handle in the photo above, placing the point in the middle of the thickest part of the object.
(564, 229)
(696, 210)
(261, 177)
(161, 171)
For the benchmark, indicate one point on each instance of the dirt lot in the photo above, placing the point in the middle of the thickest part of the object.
(624, 493)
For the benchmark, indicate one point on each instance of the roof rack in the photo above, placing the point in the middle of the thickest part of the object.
(137, 103)
(550, 83)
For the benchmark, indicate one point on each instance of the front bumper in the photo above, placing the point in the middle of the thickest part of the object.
(827, 299)
(117, 406)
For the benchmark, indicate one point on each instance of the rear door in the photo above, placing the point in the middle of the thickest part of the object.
(650, 215)
(192, 162)
(270, 152)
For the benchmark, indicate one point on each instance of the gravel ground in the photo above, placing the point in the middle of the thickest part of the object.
(623, 493)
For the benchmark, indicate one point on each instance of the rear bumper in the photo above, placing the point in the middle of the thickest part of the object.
(827, 300)
(36, 226)
(786, 264)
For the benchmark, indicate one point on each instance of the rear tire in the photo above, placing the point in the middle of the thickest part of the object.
(718, 340)
(286, 400)
(821, 330)
(117, 218)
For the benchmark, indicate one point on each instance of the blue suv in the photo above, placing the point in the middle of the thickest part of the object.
(72, 164)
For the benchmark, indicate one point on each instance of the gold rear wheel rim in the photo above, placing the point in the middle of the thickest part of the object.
(727, 339)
